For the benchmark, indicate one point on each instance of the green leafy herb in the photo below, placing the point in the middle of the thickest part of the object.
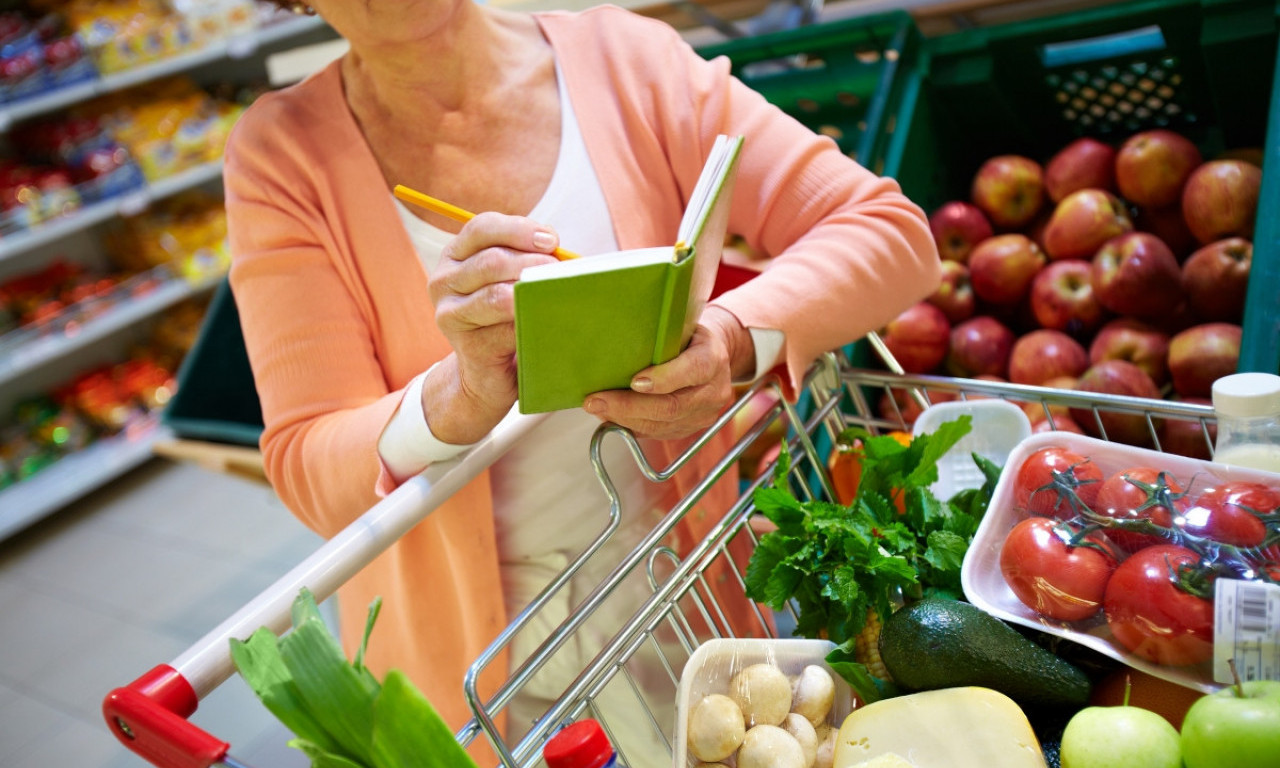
(835, 562)
(342, 716)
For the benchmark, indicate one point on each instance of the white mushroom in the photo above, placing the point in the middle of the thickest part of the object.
(768, 746)
(716, 728)
(763, 693)
(813, 693)
(826, 754)
(802, 730)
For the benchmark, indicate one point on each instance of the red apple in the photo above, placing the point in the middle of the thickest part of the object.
(1116, 377)
(918, 338)
(957, 227)
(1201, 355)
(1135, 274)
(1009, 189)
(1167, 224)
(1052, 417)
(1152, 167)
(1062, 298)
(1136, 342)
(1082, 164)
(954, 295)
(1001, 268)
(1082, 222)
(980, 347)
(1221, 200)
(1216, 279)
(1185, 437)
(1046, 354)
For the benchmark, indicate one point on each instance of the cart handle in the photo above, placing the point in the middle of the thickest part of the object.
(149, 715)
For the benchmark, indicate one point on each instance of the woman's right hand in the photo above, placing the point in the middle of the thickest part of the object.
(472, 289)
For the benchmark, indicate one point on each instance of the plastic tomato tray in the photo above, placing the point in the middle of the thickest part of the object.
(986, 588)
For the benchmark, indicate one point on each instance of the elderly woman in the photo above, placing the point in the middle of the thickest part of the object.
(381, 337)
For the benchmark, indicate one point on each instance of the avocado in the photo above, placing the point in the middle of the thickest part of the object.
(941, 643)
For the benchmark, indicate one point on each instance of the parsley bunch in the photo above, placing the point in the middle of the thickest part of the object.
(836, 562)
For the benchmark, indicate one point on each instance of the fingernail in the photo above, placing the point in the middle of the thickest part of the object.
(544, 240)
(642, 384)
(594, 405)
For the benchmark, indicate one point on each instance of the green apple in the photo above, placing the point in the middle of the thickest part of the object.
(1119, 737)
(1226, 728)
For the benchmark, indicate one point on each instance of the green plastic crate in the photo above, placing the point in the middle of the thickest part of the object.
(1204, 68)
(216, 399)
(836, 78)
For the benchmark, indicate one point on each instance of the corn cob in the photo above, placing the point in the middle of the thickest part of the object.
(866, 647)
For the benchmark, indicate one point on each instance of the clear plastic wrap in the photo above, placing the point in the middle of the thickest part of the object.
(1121, 549)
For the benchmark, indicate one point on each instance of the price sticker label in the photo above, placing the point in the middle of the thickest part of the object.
(1246, 628)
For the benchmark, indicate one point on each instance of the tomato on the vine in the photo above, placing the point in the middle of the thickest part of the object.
(1056, 482)
(1229, 513)
(1151, 612)
(1140, 494)
(1053, 570)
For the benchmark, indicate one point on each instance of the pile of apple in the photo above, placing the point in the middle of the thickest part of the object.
(1120, 271)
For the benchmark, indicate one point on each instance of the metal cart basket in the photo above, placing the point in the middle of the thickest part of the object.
(678, 610)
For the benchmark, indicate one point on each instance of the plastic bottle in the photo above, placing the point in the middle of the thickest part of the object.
(1248, 410)
(580, 745)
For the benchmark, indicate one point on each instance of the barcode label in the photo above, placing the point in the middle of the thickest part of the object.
(1253, 608)
(1246, 628)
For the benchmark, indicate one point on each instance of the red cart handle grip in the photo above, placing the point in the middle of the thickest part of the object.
(149, 716)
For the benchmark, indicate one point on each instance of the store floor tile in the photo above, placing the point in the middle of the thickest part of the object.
(121, 581)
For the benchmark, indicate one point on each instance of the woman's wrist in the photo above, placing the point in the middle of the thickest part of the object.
(454, 415)
(736, 339)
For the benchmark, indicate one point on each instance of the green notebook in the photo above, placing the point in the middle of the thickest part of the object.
(590, 324)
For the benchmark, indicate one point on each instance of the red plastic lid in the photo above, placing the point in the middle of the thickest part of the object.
(580, 745)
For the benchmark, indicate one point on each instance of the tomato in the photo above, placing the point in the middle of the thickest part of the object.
(845, 466)
(1140, 493)
(1228, 513)
(1152, 615)
(1050, 575)
(1055, 482)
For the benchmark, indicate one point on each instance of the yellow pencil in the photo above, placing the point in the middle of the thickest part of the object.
(454, 212)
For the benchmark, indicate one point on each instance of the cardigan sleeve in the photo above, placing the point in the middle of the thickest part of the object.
(849, 250)
(324, 397)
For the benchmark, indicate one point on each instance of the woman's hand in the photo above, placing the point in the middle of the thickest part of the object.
(472, 291)
(685, 395)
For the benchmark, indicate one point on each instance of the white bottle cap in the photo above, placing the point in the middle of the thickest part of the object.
(1247, 395)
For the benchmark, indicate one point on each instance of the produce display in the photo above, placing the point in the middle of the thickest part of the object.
(1110, 268)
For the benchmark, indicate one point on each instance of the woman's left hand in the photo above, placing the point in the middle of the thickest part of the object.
(686, 394)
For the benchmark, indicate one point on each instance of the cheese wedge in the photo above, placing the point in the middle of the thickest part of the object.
(887, 760)
(966, 727)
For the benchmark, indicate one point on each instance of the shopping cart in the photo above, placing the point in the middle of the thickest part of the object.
(680, 610)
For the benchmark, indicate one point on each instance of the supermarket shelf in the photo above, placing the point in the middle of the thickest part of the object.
(33, 354)
(236, 47)
(76, 475)
(96, 213)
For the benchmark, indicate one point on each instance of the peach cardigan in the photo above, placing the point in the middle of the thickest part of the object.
(336, 316)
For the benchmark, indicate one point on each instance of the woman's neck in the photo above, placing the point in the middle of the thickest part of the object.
(469, 55)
